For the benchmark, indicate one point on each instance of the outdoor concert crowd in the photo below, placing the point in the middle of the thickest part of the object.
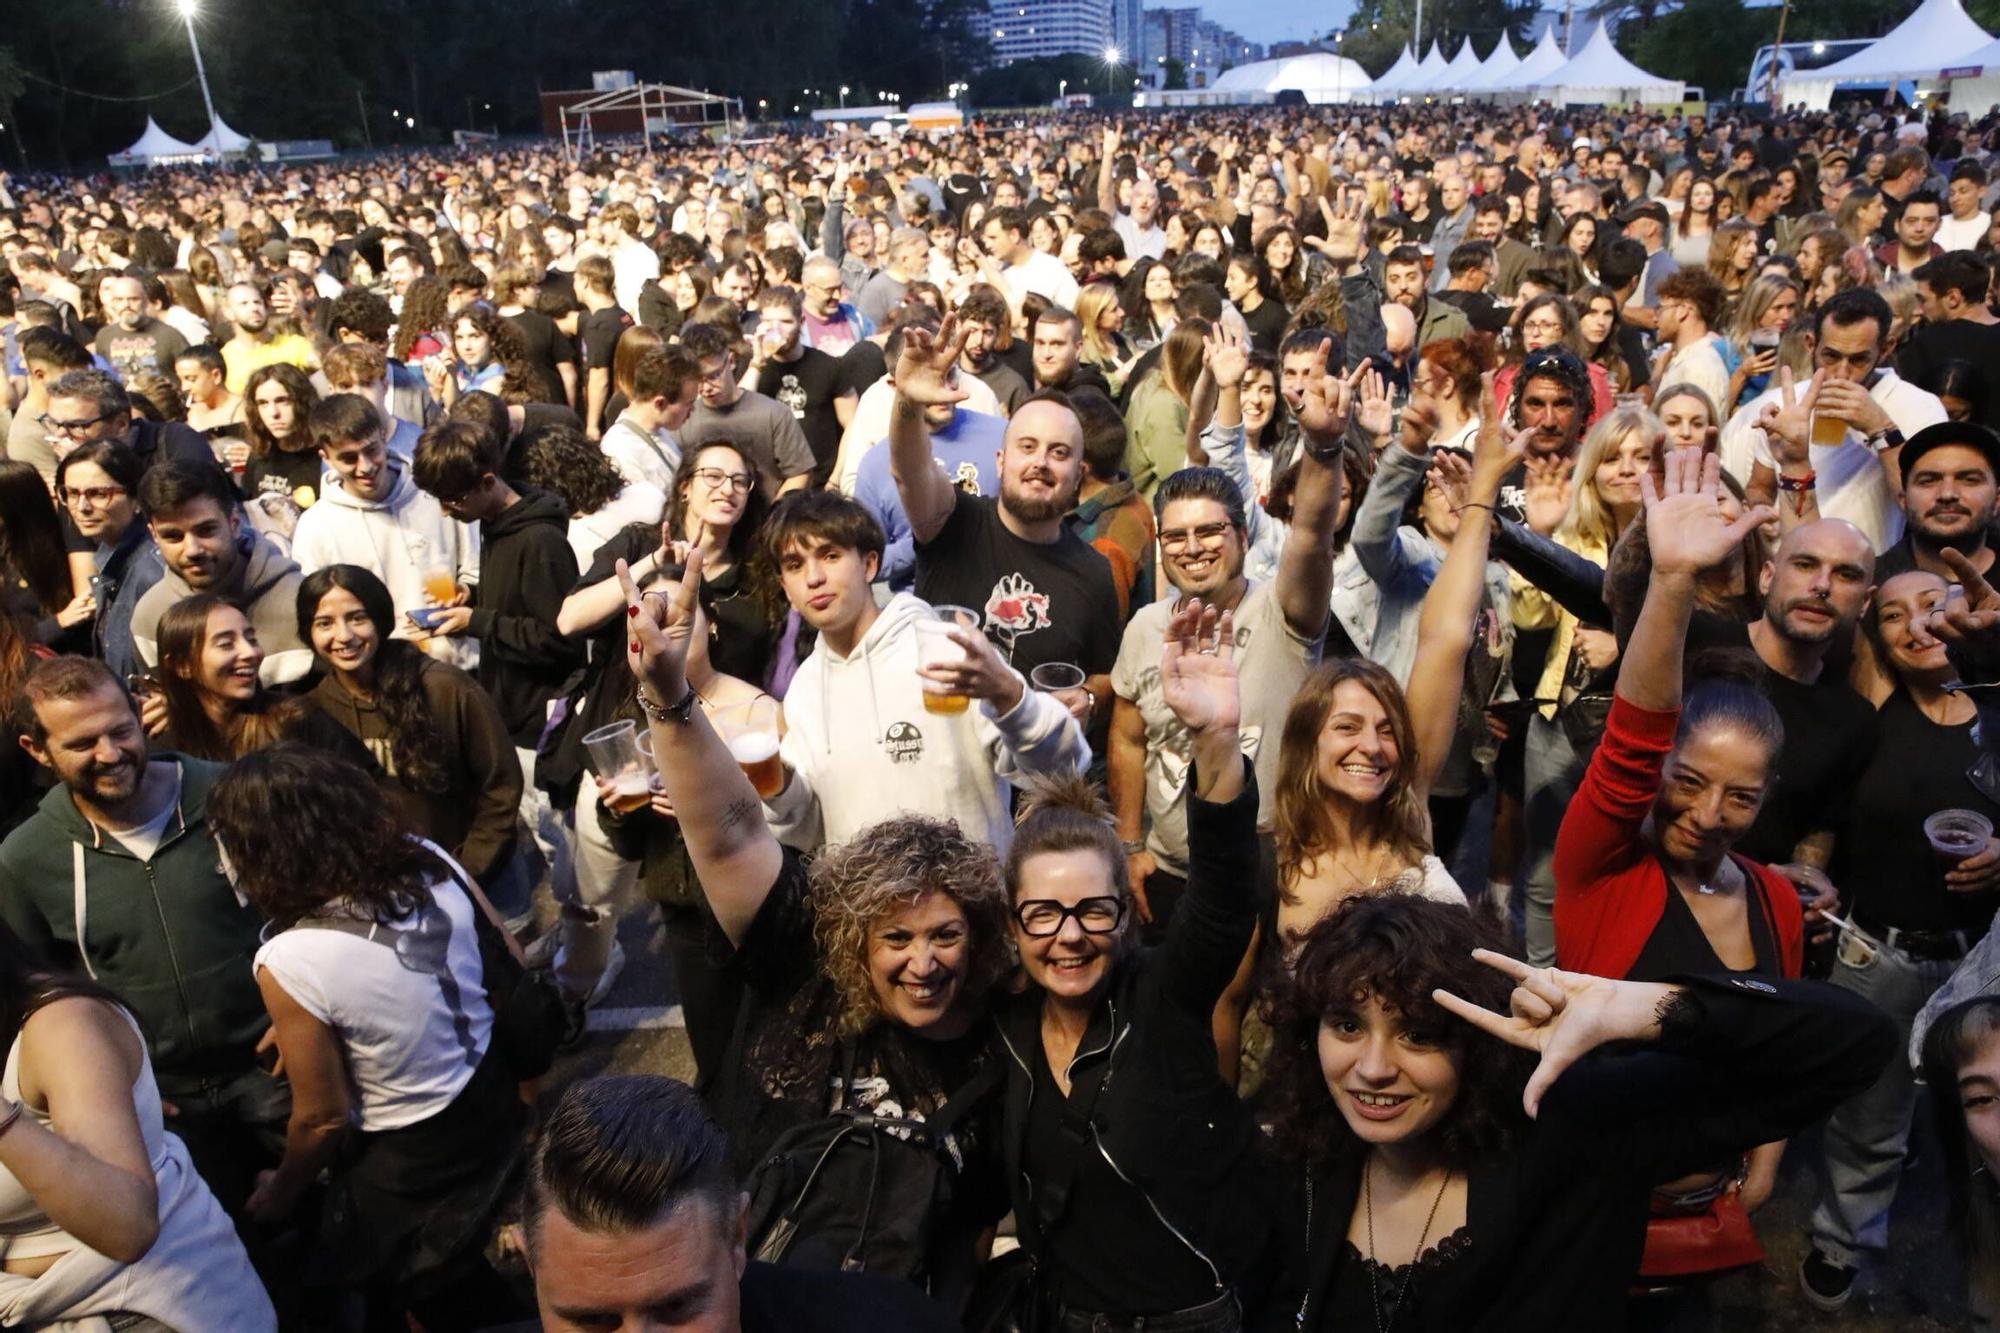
(1322, 718)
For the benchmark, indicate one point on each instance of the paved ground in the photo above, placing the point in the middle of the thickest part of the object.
(1920, 1289)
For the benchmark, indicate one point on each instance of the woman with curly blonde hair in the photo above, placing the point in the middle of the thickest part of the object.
(860, 985)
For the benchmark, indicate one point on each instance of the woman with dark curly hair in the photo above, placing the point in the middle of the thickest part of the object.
(423, 322)
(1445, 1181)
(601, 502)
(864, 981)
(487, 355)
(371, 969)
(447, 765)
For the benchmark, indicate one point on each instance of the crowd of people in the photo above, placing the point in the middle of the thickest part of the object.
(1163, 679)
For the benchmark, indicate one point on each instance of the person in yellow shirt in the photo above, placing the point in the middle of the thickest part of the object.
(254, 345)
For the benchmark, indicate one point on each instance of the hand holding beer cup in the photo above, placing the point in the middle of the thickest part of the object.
(750, 729)
(958, 664)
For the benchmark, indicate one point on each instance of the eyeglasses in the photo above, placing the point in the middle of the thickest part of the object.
(71, 427)
(91, 496)
(716, 479)
(1542, 326)
(1040, 918)
(1209, 535)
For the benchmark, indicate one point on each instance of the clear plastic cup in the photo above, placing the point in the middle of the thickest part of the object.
(1957, 834)
(616, 757)
(750, 729)
(935, 648)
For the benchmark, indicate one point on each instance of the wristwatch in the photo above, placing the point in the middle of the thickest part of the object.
(1886, 438)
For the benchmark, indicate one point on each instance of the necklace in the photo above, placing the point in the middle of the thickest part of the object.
(1402, 1288)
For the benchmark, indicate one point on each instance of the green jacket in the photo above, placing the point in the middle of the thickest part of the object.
(169, 936)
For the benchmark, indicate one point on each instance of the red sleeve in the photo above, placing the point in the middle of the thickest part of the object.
(1601, 398)
(1600, 830)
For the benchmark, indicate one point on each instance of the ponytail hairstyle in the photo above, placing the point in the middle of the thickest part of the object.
(418, 750)
(1725, 691)
(1065, 813)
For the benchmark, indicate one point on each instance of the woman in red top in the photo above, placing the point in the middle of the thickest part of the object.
(1646, 885)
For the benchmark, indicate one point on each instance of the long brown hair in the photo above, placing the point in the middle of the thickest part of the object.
(304, 398)
(1304, 829)
(264, 722)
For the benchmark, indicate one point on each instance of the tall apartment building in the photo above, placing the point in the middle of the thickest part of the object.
(1026, 29)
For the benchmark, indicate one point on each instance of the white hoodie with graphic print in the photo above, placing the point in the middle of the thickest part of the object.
(862, 749)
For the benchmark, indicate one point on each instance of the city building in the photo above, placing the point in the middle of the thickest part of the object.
(1028, 29)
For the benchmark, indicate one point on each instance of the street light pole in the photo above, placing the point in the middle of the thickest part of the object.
(213, 137)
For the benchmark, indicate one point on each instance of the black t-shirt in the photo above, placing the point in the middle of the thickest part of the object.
(1679, 947)
(1883, 863)
(1266, 325)
(545, 347)
(1829, 738)
(1954, 340)
(742, 634)
(861, 365)
(1478, 308)
(1053, 603)
(1108, 1252)
(599, 331)
(808, 387)
(282, 473)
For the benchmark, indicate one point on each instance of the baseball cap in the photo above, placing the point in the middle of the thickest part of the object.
(1969, 434)
(1645, 208)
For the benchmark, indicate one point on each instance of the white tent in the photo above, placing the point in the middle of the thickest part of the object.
(1938, 36)
(1497, 68)
(1322, 76)
(223, 139)
(1463, 69)
(1397, 74)
(155, 145)
(1429, 71)
(1545, 59)
(1975, 93)
(1598, 75)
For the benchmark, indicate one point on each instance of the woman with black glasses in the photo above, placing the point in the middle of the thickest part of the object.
(1132, 1164)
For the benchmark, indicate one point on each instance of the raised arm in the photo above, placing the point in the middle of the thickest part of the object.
(1305, 562)
(1445, 629)
(589, 607)
(1107, 188)
(736, 857)
(922, 377)
(1787, 423)
(1685, 533)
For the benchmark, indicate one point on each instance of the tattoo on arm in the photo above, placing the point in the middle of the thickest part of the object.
(739, 812)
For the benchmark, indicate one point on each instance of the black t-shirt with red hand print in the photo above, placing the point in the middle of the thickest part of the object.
(1053, 603)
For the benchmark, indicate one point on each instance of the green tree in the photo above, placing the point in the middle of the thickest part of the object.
(1378, 30)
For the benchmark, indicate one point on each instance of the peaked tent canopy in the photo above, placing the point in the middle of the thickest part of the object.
(1545, 59)
(1428, 72)
(153, 145)
(1496, 68)
(1397, 74)
(1976, 94)
(1599, 75)
(1936, 36)
(223, 139)
(1322, 76)
(1463, 69)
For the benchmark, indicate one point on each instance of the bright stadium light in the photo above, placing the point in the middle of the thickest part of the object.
(1110, 55)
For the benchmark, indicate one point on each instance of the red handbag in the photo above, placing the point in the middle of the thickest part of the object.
(1687, 1244)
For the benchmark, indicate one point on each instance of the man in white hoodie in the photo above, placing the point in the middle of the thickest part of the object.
(373, 515)
(859, 745)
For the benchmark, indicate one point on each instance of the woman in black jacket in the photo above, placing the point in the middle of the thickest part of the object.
(1131, 1163)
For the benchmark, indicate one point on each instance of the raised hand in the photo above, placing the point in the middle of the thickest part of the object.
(1452, 476)
(1227, 358)
(1374, 411)
(1496, 450)
(1345, 219)
(979, 673)
(1686, 531)
(1969, 621)
(662, 624)
(1198, 668)
(1547, 492)
(1787, 420)
(924, 367)
(1562, 1015)
(1323, 411)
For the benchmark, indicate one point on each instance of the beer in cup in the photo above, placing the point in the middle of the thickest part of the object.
(750, 729)
(615, 755)
(935, 648)
(440, 585)
(1827, 429)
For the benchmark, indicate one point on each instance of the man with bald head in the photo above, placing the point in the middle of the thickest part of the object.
(132, 340)
(830, 323)
(1454, 222)
(1140, 228)
(1041, 593)
(1815, 588)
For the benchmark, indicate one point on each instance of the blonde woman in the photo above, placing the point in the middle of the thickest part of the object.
(1102, 314)
(1584, 511)
(1750, 347)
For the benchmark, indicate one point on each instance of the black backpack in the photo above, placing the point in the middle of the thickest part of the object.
(854, 1192)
